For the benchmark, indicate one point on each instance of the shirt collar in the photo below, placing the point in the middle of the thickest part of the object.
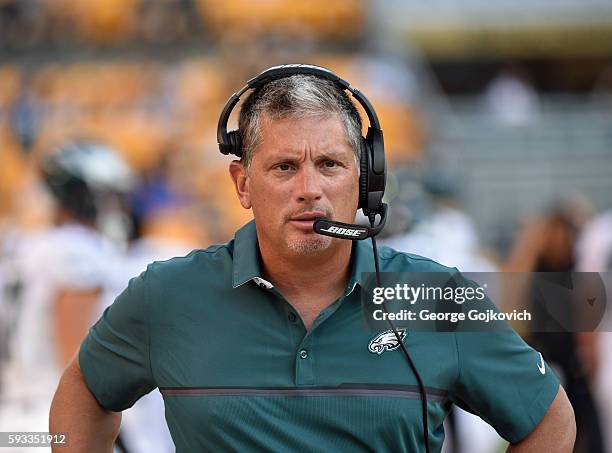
(246, 261)
(246, 255)
(362, 260)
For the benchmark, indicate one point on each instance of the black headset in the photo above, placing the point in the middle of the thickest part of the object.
(373, 171)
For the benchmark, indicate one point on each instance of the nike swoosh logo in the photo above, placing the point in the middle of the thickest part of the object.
(541, 366)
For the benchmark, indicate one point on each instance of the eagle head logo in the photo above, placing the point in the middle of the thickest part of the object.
(386, 341)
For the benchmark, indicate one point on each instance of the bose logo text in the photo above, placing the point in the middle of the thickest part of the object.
(343, 231)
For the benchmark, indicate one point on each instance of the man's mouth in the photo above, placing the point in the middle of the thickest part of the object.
(305, 220)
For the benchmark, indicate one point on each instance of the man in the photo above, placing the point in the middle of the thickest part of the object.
(258, 344)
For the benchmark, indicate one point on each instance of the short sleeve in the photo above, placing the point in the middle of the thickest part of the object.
(504, 381)
(114, 357)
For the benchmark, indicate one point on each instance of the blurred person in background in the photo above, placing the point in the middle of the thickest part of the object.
(548, 244)
(594, 254)
(511, 98)
(63, 273)
(66, 274)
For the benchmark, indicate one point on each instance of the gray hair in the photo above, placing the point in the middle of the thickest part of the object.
(297, 96)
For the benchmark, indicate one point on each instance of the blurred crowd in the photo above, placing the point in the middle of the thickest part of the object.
(108, 114)
(26, 24)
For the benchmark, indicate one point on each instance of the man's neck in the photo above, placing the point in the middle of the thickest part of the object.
(318, 276)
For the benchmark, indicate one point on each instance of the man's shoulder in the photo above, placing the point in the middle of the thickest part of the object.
(214, 257)
(392, 260)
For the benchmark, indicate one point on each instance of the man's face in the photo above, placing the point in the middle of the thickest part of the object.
(304, 168)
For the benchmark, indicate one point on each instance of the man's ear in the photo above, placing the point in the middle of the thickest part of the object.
(241, 183)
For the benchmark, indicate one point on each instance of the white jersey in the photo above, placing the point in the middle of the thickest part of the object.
(68, 257)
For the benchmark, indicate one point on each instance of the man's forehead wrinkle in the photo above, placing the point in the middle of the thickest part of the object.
(310, 153)
(279, 141)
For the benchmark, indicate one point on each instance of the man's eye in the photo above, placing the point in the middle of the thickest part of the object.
(284, 167)
(330, 164)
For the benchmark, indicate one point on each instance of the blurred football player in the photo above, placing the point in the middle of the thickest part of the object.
(65, 273)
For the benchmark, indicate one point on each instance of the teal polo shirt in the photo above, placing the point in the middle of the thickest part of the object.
(238, 371)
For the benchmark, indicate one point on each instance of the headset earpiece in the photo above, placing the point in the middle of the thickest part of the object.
(376, 171)
(235, 142)
(363, 175)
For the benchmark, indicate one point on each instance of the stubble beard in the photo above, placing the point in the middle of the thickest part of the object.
(306, 246)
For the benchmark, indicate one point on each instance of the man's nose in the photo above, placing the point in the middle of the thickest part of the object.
(308, 184)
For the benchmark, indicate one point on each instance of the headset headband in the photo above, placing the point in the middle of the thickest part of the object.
(287, 70)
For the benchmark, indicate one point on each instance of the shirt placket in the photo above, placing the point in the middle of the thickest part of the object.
(302, 340)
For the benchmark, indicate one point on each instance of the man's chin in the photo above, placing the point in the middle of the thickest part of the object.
(306, 246)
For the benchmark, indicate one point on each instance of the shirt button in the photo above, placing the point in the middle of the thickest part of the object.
(262, 285)
(303, 354)
(292, 317)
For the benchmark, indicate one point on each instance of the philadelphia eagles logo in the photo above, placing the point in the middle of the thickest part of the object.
(386, 341)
